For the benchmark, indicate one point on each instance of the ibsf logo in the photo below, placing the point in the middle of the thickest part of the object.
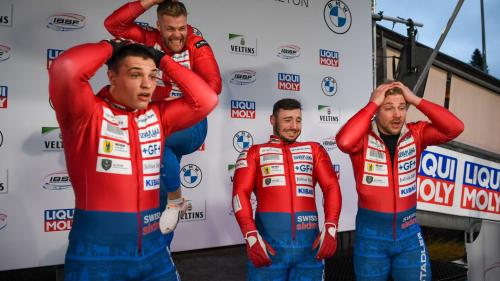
(337, 16)
(52, 139)
(4, 182)
(197, 31)
(328, 114)
(288, 51)
(243, 77)
(56, 181)
(191, 176)
(4, 93)
(242, 45)
(3, 221)
(329, 57)
(52, 54)
(329, 143)
(329, 86)
(288, 81)
(4, 52)
(242, 109)
(242, 140)
(66, 22)
(58, 220)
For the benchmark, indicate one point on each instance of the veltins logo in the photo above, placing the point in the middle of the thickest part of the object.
(288, 51)
(6, 12)
(196, 211)
(66, 22)
(52, 139)
(288, 81)
(52, 54)
(242, 109)
(329, 143)
(56, 181)
(329, 86)
(3, 221)
(329, 58)
(337, 16)
(4, 52)
(58, 219)
(242, 77)
(4, 93)
(191, 176)
(242, 45)
(4, 181)
(242, 140)
(328, 114)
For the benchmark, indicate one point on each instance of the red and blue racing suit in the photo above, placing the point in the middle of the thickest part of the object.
(113, 159)
(388, 237)
(197, 56)
(282, 177)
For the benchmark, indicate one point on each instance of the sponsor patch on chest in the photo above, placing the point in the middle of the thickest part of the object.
(274, 181)
(271, 170)
(113, 166)
(271, 159)
(373, 180)
(375, 155)
(376, 168)
(300, 149)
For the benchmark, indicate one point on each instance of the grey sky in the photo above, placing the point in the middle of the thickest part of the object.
(464, 35)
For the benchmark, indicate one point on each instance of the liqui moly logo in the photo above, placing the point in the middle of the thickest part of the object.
(481, 187)
(52, 54)
(329, 58)
(436, 178)
(242, 109)
(58, 219)
(288, 81)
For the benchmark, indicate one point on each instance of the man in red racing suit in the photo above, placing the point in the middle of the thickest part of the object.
(283, 173)
(113, 145)
(385, 155)
(176, 38)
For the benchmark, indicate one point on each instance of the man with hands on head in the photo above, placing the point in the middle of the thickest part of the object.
(176, 38)
(284, 242)
(385, 154)
(113, 146)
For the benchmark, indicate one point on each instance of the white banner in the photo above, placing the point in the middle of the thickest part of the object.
(316, 51)
(454, 183)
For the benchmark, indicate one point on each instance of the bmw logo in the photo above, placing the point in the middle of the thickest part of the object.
(337, 16)
(190, 176)
(329, 86)
(242, 140)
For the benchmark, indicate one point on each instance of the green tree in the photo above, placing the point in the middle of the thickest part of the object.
(476, 60)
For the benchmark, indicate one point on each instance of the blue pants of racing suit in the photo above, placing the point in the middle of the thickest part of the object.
(379, 250)
(178, 144)
(295, 259)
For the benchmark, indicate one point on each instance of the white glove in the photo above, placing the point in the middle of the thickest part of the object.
(170, 217)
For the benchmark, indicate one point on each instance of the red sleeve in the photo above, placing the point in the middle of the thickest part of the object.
(327, 179)
(197, 102)
(69, 89)
(444, 125)
(350, 137)
(243, 185)
(121, 24)
(205, 65)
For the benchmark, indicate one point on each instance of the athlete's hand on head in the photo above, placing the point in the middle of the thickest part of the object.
(409, 96)
(378, 95)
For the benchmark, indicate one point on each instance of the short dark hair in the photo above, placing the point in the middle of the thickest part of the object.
(171, 8)
(286, 104)
(134, 50)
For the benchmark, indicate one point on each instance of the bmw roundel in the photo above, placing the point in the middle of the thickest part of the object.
(337, 16)
(242, 140)
(329, 86)
(191, 176)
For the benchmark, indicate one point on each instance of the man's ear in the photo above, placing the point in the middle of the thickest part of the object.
(111, 77)
(272, 119)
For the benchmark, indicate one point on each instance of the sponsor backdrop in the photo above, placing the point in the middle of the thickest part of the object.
(316, 51)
